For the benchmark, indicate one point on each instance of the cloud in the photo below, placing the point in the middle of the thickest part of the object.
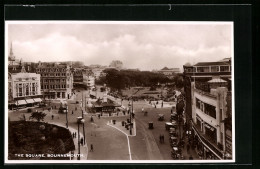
(145, 47)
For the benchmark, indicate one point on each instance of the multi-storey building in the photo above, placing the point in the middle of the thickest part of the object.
(88, 81)
(24, 88)
(56, 80)
(208, 107)
(77, 76)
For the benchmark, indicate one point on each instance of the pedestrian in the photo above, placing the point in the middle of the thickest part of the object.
(188, 148)
(72, 112)
(52, 117)
(91, 147)
(75, 134)
(75, 108)
(81, 141)
(163, 138)
(99, 116)
(155, 106)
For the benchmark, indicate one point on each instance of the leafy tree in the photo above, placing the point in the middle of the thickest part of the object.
(38, 116)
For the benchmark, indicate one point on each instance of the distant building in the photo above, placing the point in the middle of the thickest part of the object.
(56, 80)
(116, 64)
(24, 89)
(169, 72)
(77, 76)
(208, 107)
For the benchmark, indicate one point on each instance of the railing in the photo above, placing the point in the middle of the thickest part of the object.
(205, 93)
(202, 137)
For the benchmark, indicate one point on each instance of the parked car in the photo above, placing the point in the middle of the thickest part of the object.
(42, 104)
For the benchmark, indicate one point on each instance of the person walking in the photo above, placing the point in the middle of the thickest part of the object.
(81, 141)
(72, 112)
(52, 117)
(91, 148)
(188, 148)
(162, 138)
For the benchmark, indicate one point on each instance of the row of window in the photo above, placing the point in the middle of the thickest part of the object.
(62, 86)
(53, 80)
(206, 108)
(209, 69)
(52, 70)
(26, 89)
(55, 74)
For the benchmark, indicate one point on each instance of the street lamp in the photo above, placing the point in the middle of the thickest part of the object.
(79, 121)
(67, 123)
(130, 114)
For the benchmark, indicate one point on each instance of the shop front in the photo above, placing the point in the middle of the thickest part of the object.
(206, 149)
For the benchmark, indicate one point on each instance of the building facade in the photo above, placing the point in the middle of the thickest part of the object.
(169, 72)
(208, 89)
(25, 89)
(56, 80)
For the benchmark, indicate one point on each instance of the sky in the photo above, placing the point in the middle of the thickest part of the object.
(144, 45)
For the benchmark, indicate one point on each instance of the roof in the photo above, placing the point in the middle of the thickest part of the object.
(211, 63)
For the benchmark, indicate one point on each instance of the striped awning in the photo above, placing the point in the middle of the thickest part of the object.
(217, 80)
(37, 100)
(29, 100)
(21, 102)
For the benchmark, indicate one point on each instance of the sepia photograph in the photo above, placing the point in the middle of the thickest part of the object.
(119, 92)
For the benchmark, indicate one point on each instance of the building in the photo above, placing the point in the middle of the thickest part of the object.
(77, 77)
(169, 72)
(24, 89)
(117, 64)
(56, 80)
(11, 58)
(88, 81)
(208, 107)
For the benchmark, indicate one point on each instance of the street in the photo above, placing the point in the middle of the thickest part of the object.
(113, 141)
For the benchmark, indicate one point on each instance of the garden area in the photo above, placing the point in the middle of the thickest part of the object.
(29, 139)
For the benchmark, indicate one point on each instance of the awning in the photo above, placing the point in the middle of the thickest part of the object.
(37, 100)
(29, 100)
(21, 102)
(217, 80)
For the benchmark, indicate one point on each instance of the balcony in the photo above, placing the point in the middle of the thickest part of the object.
(205, 93)
(207, 141)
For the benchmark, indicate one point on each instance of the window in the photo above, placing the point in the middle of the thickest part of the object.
(214, 68)
(33, 88)
(20, 88)
(224, 68)
(27, 89)
(198, 103)
(210, 110)
(202, 69)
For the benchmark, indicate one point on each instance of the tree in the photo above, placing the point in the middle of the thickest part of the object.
(38, 116)
(180, 107)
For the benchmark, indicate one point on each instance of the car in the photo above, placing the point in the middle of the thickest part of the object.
(42, 104)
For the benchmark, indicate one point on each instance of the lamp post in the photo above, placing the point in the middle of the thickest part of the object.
(67, 123)
(130, 114)
(79, 120)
